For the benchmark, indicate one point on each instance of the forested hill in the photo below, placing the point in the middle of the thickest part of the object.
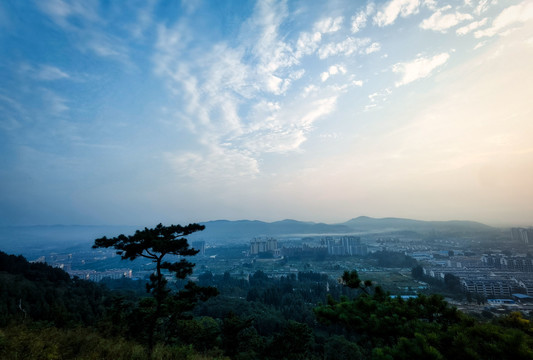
(44, 293)
(365, 223)
(245, 229)
(46, 315)
(34, 240)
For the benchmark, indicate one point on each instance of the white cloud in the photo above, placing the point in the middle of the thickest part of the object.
(81, 20)
(419, 68)
(237, 99)
(329, 25)
(389, 12)
(511, 16)
(44, 72)
(471, 27)
(320, 108)
(480, 45)
(346, 47)
(307, 43)
(480, 6)
(217, 164)
(442, 22)
(47, 72)
(358, 21)
(60, 11)
(272, 54)
(55, 103)
(144, 19)
(430, 4)
(375, 46)
(333, 70)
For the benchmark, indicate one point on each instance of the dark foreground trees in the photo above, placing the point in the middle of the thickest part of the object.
(158, 244)
(384, 327)
(274, 322)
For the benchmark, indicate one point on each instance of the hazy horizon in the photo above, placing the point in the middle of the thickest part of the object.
(176, 112)
(149, 225)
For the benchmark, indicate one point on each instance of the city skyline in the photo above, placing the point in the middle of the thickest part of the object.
(176, 112)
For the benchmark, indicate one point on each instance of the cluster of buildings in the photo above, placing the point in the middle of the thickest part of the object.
(200, 246)
(345, 246)
(491, 276)
(94, 275)
(335, 246)
(261, 246)
(522, 235)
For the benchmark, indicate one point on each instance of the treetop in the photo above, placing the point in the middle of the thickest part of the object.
(152, 243)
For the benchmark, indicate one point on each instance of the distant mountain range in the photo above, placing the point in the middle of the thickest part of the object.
(22, 239)
(365, 223)
(225, 229)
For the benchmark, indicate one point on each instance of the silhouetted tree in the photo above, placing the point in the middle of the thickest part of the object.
(155, 244)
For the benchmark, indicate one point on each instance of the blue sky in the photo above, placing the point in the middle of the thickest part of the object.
(139, 112)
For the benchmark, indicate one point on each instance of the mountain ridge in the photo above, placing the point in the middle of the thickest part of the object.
(19, 239)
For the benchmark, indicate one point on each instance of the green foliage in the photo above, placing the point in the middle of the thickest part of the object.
(393, 259)
(22, 342)
(425, 327)
(159, 319)
(35, 291)
(338, 348)
(351, 279)
(293, 343)
(266, 318)
(155, 244)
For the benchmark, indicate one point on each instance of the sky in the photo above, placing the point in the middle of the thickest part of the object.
(140, 112)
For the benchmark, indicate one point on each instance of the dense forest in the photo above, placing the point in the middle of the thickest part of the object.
(44, 314)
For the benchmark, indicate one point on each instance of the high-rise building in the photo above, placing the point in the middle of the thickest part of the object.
(522, 235)
(199, 245)
(345, 245)
(258, 246)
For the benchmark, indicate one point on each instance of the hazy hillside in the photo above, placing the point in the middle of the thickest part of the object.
(25, 239)
(28, 239)
(365, 223)
(245, 229)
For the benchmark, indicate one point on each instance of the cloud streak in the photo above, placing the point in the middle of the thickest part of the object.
(389, 12)
(441, 21)
(419, 68)
(510, 17)
(258, 73)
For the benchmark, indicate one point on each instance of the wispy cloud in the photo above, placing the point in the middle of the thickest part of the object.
(56, 104)
(333, 70)
(44, 72)
(61, 11)
(511, 16)
(307, 43)
(145, 19)
(389, 12)
(216, 165)
(82, 20)
(441, 21)
(237, 102)
(329, 25)
(419, 68)
(377, 98)
(47, 72)
(346, 47)
(359, 20)
(10, 110)
(480, 6)
(471, 27)
(374, 47)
